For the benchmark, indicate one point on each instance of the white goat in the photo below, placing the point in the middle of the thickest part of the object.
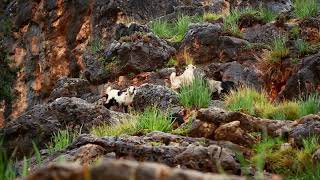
(185, 78)
(122, 98)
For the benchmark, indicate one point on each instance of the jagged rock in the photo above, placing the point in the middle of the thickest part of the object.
(202, 129)
(277, 6)
(232, 132)
(172, 150)
(124, 170)
(305, 81)
(123, 30)
(70, 87)
(310, 29)
(142, 52)
(262, 33)
(247, 123)
(307, 126)
(42, 121)
(235, 72)
(209, 43)
(148, 95)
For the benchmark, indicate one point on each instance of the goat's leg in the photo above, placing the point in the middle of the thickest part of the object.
(125, 108)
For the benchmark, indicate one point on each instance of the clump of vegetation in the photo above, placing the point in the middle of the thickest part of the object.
(96, 46)
(287, 161)
(184, 129)
(231, 22)
(267, 15)
(172, 62)
(278, 50)
(173, 31)
(302, 46)
(208, 16)
(125, 127)
(153, 119)
(60, 140)
(195, 95)
(7, 171)
(305, 8)
(250, 101)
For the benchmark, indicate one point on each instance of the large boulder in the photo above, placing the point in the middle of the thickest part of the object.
(149, 95)
(206, 43)
(172, 150)
(39, 124)
(124, 170)
(137, 53)
(305, 81)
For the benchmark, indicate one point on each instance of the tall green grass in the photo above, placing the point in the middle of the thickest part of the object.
(153, 119)
(60, 140)
(302, 46)
(250, 101)
(195, 95)
(125, 127)
(231, 22)
(305, 8)
(7, 171)
(278, 50)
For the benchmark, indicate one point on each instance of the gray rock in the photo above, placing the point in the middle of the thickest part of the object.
(305, 81)
(262, 33)
(42, 121)
(148, 95)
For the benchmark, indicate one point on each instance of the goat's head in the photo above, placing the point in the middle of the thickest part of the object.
(191, 66)
(132, 90)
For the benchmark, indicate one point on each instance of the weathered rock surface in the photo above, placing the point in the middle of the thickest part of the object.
(262, 33)
(207, 43)
(148, 95)
(42, 121)
(70, 87)
(142, 52)
(124, 170)
(306, 80)
(194, 153)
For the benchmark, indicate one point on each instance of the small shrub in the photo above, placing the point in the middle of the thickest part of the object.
(290, 109)
(310, 105)
(125, 127)
(208, 16)
(7, 171)
(172, 62)
(295, 32)
(195, 95)
(278, 50)
(60, 140)
(181, 27)
(305, 8)
(267, 15)
(302, 46)
(96, 45)
(161, 28)
(153, 119)
(231, 22)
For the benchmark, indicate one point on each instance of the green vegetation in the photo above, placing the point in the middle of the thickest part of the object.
(195, 95)
(267, 15)
(305, 8)
(287, 161)
(184, 129)
(96, 45)
(278, 50)
(302, 46)
(250, 101)
(7, 171)
(153, 119)
(173, 31)
(295, 32)
(125, 127)
(208, 16)
(60, 140)
(172, 62)
(231, 22)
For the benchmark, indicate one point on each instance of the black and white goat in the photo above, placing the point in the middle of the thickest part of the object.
(220, 87)
(121, 98)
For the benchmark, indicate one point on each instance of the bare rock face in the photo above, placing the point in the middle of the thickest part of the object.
(172, 150)
(42, 121)
(262, 33)
(209, 43)
(232, 132)
(124, 170)
(307, 126)
(306, 80)
(142, 52)
(70, 87)
(149, 95)
(277, 6)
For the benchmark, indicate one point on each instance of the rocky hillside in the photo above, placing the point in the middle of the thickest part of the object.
(251, 108)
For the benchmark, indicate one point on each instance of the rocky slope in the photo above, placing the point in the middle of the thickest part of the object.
(58, 56)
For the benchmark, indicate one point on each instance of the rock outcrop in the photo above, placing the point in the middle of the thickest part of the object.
(39, 124)
(124, 170)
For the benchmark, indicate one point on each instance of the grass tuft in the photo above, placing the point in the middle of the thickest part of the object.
(195, 95)
(7, 171)
(208, 16)
(305, 8)
(302, 46)
(125, 127)
(278, 50)
(60, 140)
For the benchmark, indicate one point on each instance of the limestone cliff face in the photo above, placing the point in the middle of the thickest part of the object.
(48, 38)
